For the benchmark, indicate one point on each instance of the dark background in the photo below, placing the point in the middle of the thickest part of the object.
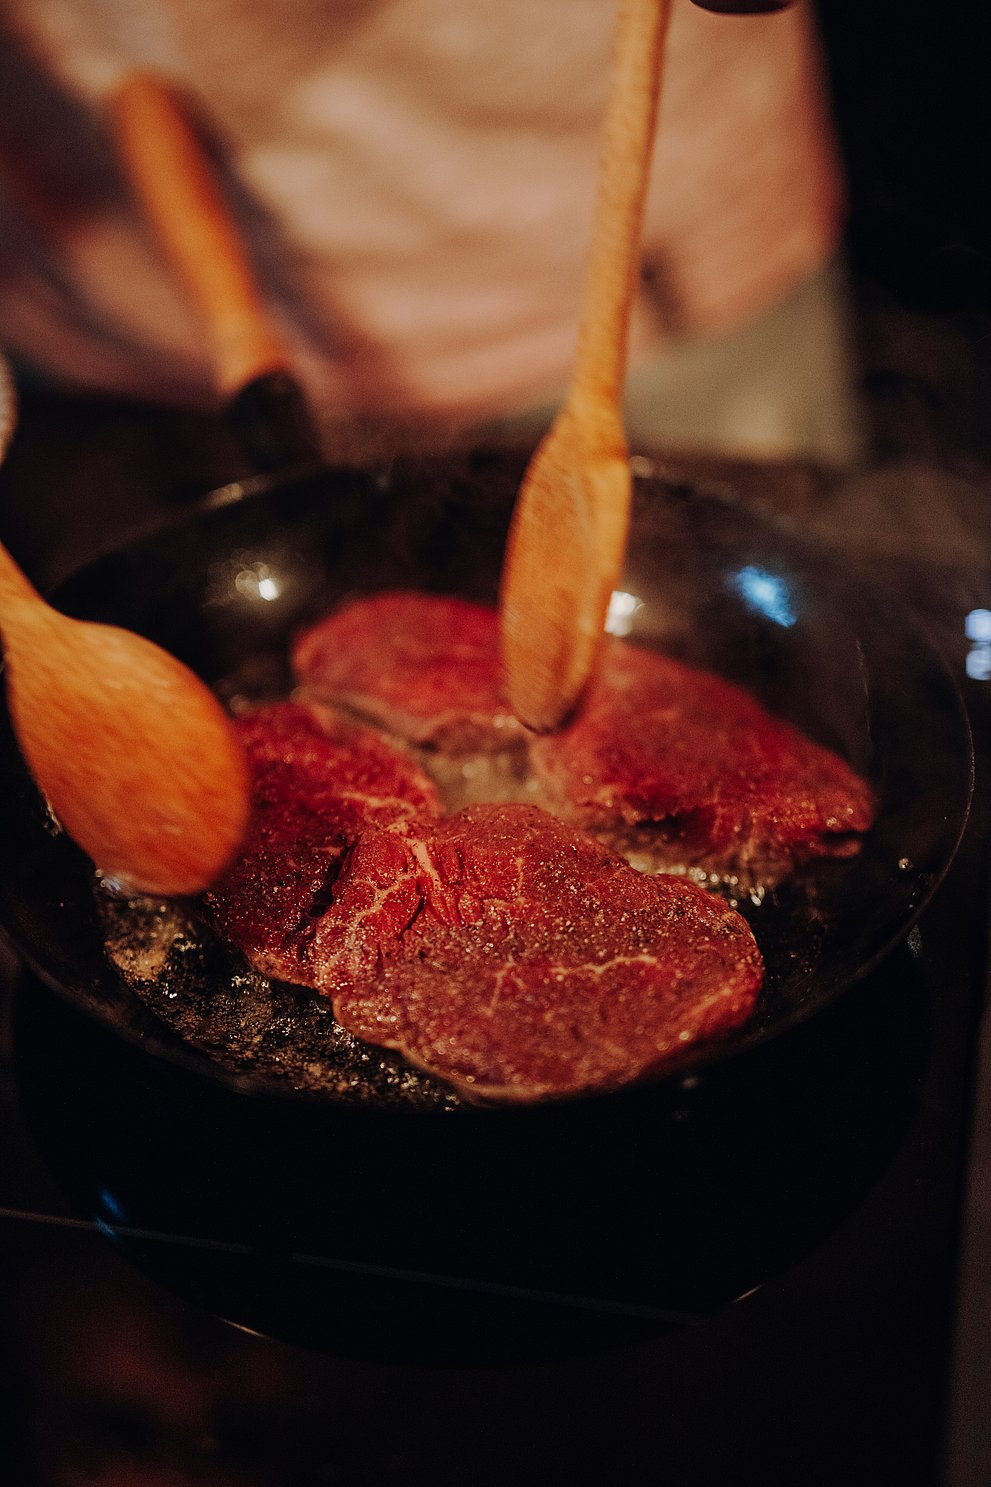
(911, 96)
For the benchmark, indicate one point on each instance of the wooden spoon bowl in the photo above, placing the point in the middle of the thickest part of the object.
(135, 755)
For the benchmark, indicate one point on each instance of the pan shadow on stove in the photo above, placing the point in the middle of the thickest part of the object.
(487, 1239)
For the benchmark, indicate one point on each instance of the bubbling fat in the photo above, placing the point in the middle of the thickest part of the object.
(246, 1023)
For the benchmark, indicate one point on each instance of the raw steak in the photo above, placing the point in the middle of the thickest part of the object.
(682, 767)
(317, 781)
(519, 959)
(425, 668)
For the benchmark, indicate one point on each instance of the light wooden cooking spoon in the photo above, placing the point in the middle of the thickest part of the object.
(178, 188)
(568, 535)
(176, 185)
(135, 755)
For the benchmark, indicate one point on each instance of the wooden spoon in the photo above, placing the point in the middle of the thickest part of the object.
(176, 186)
(568, 535)
(136, 756)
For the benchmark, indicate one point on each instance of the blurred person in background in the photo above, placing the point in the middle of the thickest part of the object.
(415, 180)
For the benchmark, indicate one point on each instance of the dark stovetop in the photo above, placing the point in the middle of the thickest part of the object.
(801, 1318)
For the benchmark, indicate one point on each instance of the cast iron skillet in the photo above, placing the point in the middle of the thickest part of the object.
(190, 1104)
(225, 588)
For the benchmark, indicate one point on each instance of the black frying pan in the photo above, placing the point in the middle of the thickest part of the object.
(191, 1099)
(226, 587)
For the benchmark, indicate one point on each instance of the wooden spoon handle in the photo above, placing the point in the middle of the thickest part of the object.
(177, 187)
(624, 173)
(15, 588)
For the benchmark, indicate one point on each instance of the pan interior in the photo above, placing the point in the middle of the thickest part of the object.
(227, 585)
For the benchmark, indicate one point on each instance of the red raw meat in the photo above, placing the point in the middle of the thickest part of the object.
(425, 668)
(317, 781)
(684, 767)
(519, 959)
(671, 766)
